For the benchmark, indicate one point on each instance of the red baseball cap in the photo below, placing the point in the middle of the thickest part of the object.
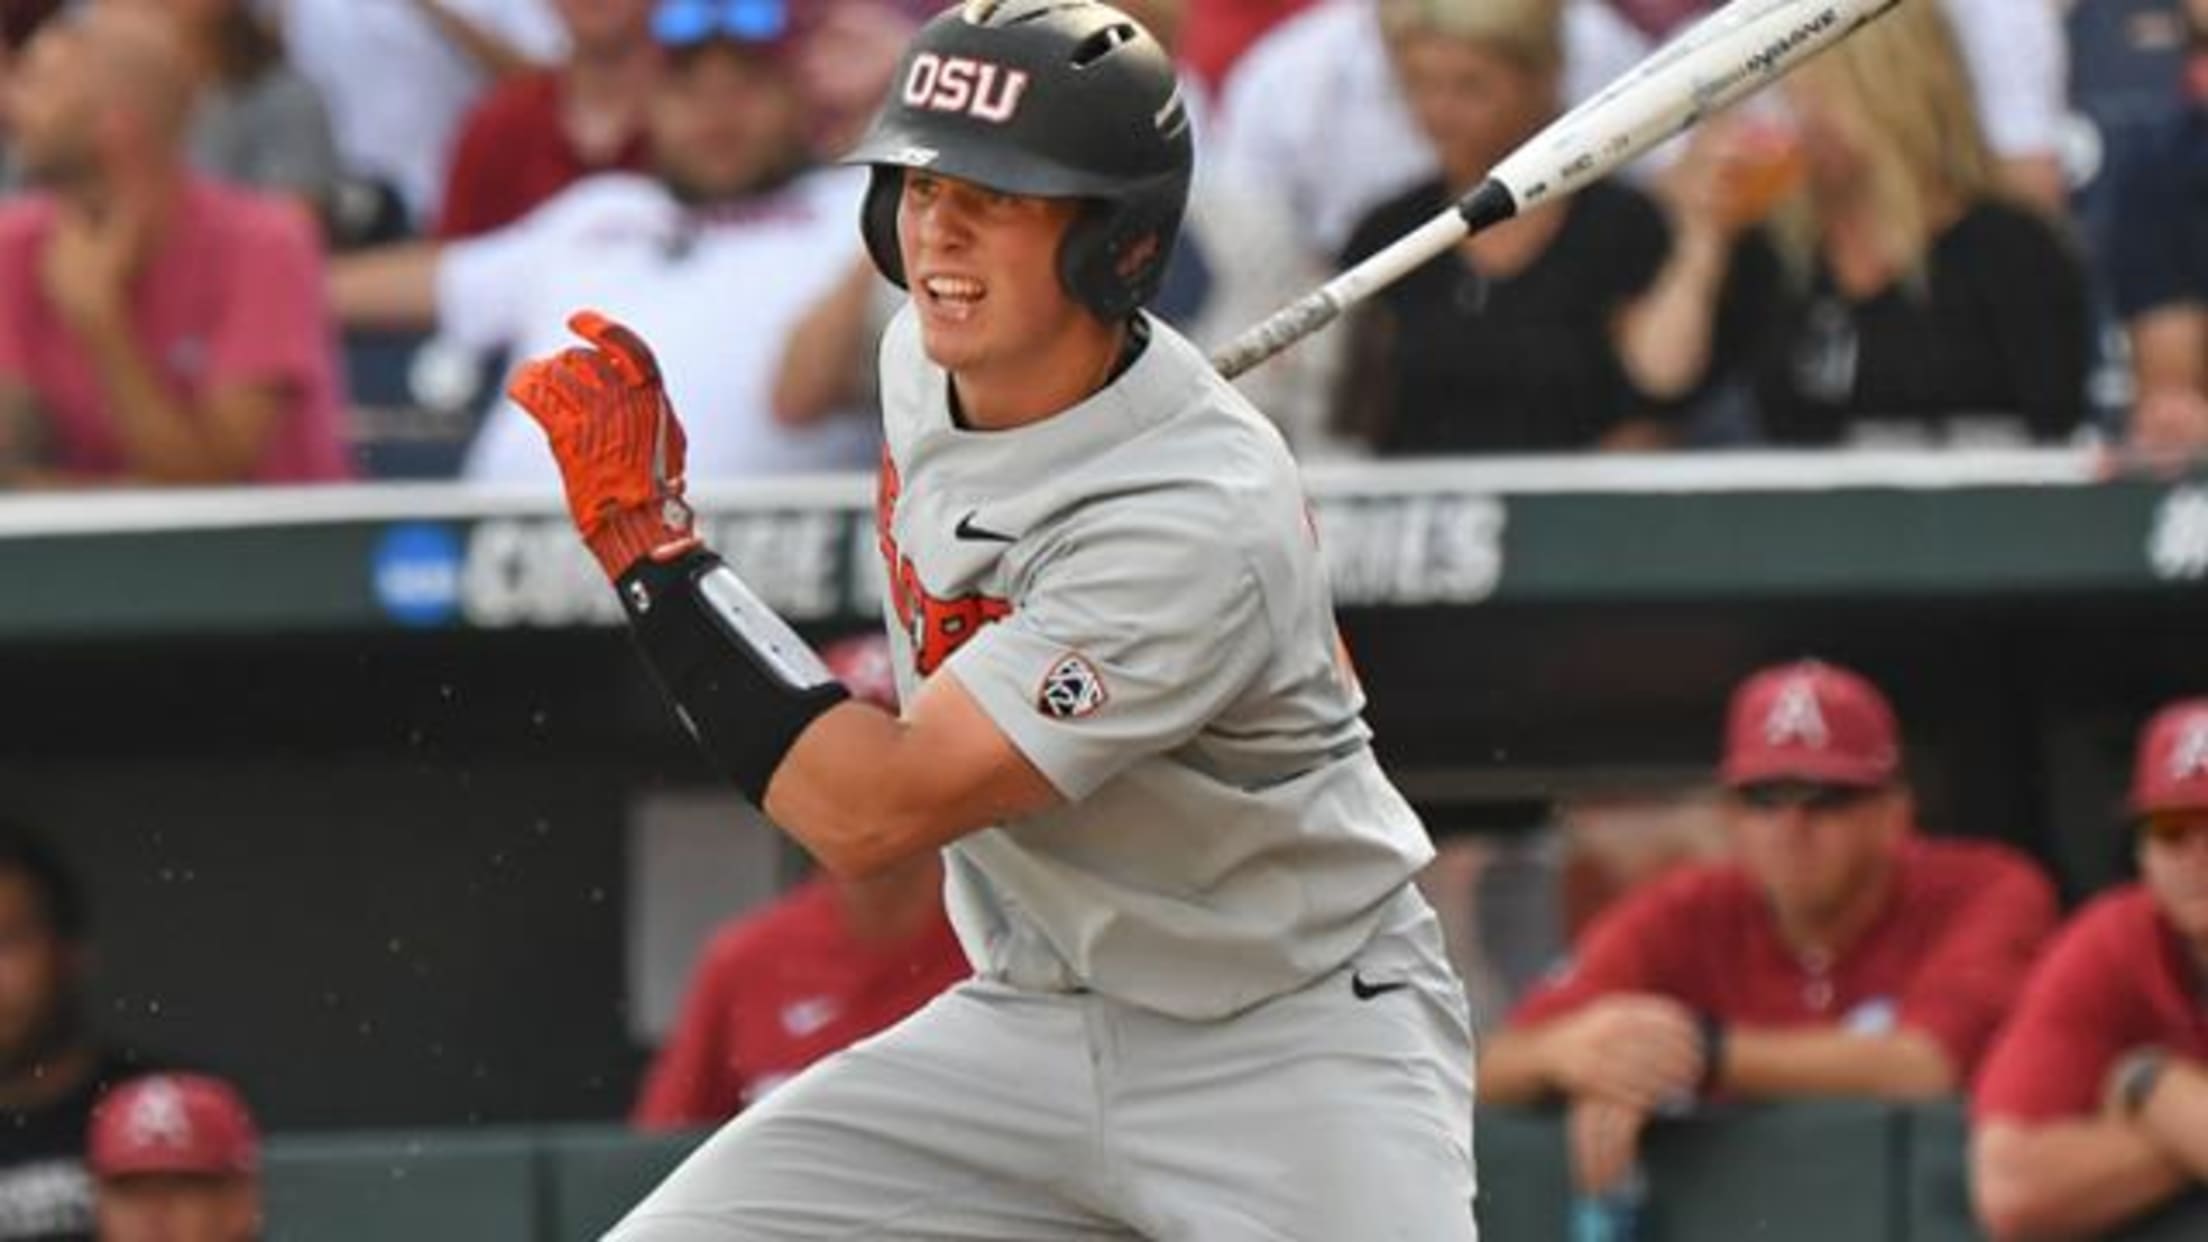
(1810, 721)
(173, 1123)
(864, 667)
(2171, 772)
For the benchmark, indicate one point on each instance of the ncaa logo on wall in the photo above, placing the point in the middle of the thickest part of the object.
(415, 571)
(978, 88)
(1071, 689)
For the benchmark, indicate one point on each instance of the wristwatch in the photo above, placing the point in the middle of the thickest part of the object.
(2135, 1077)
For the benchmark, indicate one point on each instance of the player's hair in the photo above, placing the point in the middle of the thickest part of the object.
(60, 898)
(1904, 82)
(1527, 33)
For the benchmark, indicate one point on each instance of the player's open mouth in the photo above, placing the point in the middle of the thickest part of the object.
(952, 297)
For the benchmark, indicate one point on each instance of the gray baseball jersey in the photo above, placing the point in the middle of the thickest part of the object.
(1131, 589)
(1211, 1007)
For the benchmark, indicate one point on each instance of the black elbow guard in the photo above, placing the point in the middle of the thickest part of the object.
(743, 682)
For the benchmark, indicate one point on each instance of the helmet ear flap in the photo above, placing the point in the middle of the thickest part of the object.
(878, 221)
(1114, 255)
(1084, 266)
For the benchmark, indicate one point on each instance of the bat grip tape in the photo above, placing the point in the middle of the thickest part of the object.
(741, 680)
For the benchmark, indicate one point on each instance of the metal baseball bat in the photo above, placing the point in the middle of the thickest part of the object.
(1734, 52)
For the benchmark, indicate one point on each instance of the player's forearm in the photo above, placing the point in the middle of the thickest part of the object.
(865, 791)
(1905, 1064)
(1514, 1068)
(2176, 1115)
(2068, 1179)
(843, 794)
(389, 287)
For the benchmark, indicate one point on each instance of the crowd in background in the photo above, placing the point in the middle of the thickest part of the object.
(237, 235)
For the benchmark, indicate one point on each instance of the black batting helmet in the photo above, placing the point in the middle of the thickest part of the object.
(1053, 98)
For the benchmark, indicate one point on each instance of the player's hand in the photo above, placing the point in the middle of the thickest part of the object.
(1637, 1051)
(1603, 1138)
(617, 441)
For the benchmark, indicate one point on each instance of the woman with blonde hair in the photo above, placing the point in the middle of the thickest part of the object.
(1896, 294)
(1527, 337)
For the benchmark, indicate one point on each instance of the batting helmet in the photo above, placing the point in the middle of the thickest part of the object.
(1052, 98)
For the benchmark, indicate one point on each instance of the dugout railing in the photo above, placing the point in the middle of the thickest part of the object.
(353, 774)
(1840, 1172)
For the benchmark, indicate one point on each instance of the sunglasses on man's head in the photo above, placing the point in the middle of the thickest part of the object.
(683, 23)
(2174, 827)
(1812, 796)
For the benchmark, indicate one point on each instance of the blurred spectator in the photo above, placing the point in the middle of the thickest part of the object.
(846, 56)
(2093, 1105)
(1527, 337)
(1314, 115)
(1312, 111)
(713, 258)
(1841, 954)
(2016, 65)
(825, 966)
(52, 1070)
(7, 159)
(257, 122)
(155, 327)
(1238, 259)
(538, 132)
(18, 18)
(2157, 262)
(175, 1158)
(1219, 31)
(1896, 295)
(398, 76)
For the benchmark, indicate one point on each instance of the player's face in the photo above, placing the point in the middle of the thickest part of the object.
(36, 973)
(171, 1208)
(983, 270)
(2173, 859)
(1815, 850)
(724, 122)
(1473, 103)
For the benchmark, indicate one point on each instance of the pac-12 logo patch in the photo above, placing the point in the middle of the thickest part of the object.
(1071, 689)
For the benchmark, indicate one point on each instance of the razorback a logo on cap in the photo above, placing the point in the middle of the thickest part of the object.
(981, 89)
(2189, 755)
(1071, 689)
(1796, 717)
(157, 1117)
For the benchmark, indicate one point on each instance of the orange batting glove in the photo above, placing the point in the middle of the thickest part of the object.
(619, 446)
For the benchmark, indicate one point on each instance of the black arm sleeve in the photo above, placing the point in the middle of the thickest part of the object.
(744, 684)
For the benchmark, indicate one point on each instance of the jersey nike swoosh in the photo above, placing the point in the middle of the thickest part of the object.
(1366, 991)
(982, 534)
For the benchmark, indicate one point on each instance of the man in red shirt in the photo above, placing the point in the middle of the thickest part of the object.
(2093, 1104)
(1839, 954)
(154, 327)
(827, 965)
(543, 130)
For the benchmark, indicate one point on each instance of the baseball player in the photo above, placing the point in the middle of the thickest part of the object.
(1208, 1002)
